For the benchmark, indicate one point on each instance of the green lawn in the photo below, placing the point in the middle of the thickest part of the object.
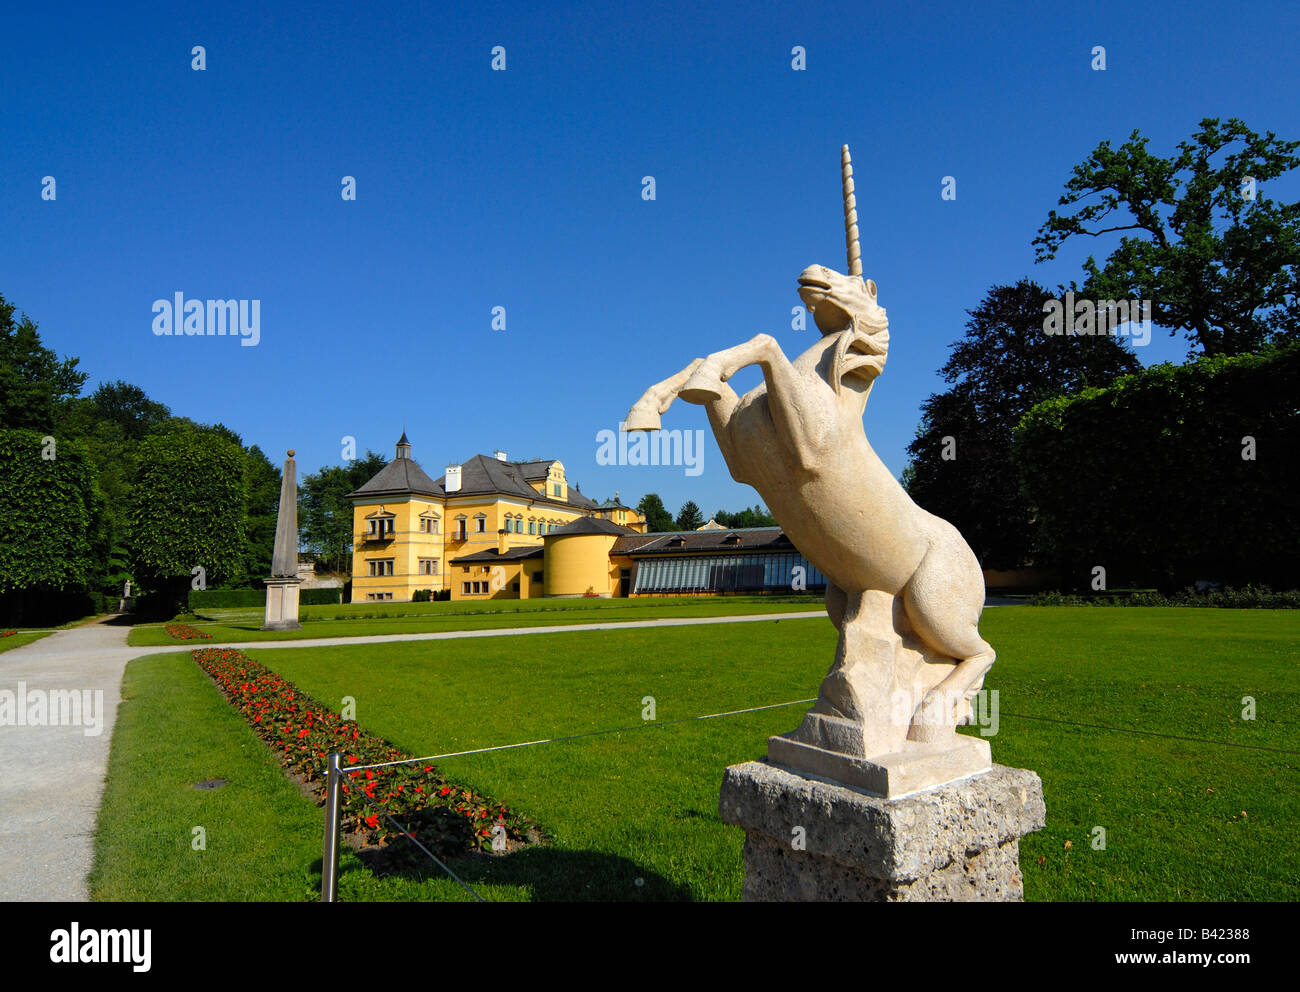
(22, 637)
(1082, 693)
(241, 625)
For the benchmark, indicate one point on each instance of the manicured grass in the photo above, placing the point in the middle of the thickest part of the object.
(21, 638)
(262, 837)
(642, 804)
(242, 625)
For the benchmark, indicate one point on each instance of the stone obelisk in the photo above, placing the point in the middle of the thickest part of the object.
(282, 586)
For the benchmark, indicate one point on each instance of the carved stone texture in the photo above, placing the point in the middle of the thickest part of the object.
(808, 840)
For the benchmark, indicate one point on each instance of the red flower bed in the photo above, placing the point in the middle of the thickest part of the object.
(184, 632)
(302, 732)
(7, 633)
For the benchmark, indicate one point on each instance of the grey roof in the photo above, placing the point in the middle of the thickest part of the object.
(591, 525)
(510, 554)
(401, 476)
(479, 476)
(538, 468)
(703, 542)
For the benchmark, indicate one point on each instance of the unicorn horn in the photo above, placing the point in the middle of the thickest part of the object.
(850, 214)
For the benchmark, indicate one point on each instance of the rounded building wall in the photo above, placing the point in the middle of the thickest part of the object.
(577, 564)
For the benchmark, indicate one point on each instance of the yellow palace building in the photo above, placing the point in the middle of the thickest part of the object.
(489, 528)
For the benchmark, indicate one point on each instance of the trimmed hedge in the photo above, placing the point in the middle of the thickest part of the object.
(1249, 598)
(1172, 475)
(218, 598)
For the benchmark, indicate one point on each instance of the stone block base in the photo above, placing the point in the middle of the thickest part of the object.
(913, 767)
(281, 604)
(813, 841)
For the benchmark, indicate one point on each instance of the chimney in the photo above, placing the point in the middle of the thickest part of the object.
(501, 455)
(501, 541)
(452, 483)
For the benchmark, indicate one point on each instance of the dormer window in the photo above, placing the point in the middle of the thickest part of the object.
(677, 542)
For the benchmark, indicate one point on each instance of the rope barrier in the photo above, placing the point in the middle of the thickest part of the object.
(574, 737)
(1152, 733)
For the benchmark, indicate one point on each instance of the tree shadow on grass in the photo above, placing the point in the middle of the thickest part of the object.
(550, 874)
(556, 874)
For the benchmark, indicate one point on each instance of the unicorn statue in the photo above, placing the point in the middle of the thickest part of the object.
(903, 588)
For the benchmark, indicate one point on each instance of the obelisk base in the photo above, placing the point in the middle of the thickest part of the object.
(809, 840)
(282, 604)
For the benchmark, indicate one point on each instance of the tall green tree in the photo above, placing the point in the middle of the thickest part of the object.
(187, 511)
(48, 505)
(262, 479)
(961, 459)
(325, 512)
(657, 517)
(1218, 259)
(111, 423)
(689, 516)
(33, 381)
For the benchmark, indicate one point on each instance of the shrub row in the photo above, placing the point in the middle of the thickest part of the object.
(446, 817)
(1171, 474)
(1247, 598)
(225, 598)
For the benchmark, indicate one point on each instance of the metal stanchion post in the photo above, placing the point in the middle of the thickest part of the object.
(329, 872)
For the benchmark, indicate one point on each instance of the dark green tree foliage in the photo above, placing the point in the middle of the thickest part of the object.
(111, 423)
(47, 511)
(1148, 480)
(657, 517)
(325, 512)
(187, 510)
(262, 479)
(960, 467)
(751, 516)
(32, 379)
(1216, 263)
(689, 516)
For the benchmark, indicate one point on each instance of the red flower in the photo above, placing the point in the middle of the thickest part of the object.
(372, 821)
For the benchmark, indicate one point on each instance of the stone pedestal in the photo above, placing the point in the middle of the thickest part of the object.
(810, 840)
(281, 604)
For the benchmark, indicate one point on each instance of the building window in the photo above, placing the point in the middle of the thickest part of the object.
(519, 525)
(428, 525)
(537, 576)
(557, 489)
(464, 588)
(532, 526)
(480, 524)
(381, 525)
(465, 569)
(461, 525)
(428, 566)
(380, 566)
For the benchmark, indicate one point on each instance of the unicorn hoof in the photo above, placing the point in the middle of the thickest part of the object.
(642, 418)
(702, 387)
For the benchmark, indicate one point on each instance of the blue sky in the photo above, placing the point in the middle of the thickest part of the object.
(522, 189)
